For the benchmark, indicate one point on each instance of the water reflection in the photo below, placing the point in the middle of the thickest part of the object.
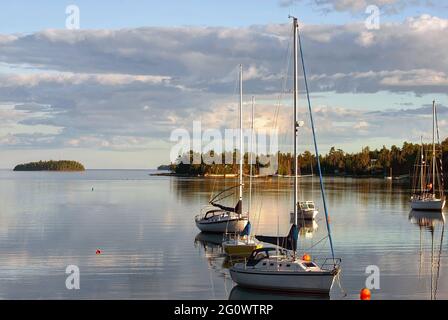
(211, 242)
(428, 221)
(306, 227)
(145, 226)
(240, 293)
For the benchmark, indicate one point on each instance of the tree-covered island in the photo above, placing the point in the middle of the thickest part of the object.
(62, 165)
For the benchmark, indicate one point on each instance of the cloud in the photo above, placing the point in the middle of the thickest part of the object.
(127, 89)
(357, 6)
(418, 81)
(206, 58)
(30, 80)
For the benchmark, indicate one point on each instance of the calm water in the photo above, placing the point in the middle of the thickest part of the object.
(151, 248)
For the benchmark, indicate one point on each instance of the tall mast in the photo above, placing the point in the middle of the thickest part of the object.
(422, 179)
(295, 118)
(241, 138)
(251, 154)
(433, 147)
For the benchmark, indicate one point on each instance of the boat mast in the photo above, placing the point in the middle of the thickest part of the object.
(295, 91)
(241, 140)
(250, 155)
(422, 179)
(433, 147)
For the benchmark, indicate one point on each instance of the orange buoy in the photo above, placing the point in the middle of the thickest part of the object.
(365, 294)
(306, 257)
(98, 251)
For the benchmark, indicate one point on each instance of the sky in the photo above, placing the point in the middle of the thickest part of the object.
(111, 93)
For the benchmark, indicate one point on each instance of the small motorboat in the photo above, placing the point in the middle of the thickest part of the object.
(306, 210)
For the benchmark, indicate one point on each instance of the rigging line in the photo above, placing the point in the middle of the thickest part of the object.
(235, 162)
(284, 79)
(438, 261)
(287, 66)
(222, 198)
(251, 157)
(223, 191)
(432, 262)
(314, 245)
(442, 182)
(223, 153)
(259, 214)
(315, 145)
(339, 282)
(213, 188)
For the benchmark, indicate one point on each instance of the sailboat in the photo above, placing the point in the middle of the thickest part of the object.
(218, 218)
(280, 269)
(428, 192)
(243, 244)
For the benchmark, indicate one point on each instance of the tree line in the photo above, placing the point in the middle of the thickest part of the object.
(378, 162)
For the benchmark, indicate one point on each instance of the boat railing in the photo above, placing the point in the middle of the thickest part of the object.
(204, 211)
(331, 263)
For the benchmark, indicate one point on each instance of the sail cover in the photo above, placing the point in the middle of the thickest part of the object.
(246, 230)
(289, 242)
(236, 209)
(214, 201)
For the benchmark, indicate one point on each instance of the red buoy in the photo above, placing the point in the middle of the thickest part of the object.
(306, 257)
(365, 294)
(98, 251)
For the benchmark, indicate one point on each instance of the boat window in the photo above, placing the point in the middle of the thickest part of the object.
(309, 264)
(260, 255)
(271, 264)
(288, 265)
(264, 263)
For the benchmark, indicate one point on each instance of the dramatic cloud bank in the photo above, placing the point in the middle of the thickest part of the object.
(127, 89)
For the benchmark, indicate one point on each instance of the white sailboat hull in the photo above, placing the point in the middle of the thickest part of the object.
(235, 225)
(428, 204)
(305, 282)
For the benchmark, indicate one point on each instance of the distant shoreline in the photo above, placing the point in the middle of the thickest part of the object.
(233, 176)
